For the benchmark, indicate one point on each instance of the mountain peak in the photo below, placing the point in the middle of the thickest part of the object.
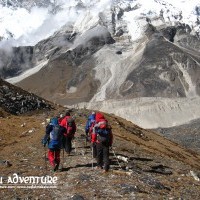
(132, 13)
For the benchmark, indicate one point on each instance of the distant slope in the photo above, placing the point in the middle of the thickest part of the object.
(153, 142)
(186, 135)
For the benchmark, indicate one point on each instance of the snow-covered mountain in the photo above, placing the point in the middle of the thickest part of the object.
(138, 59)
(25, 21)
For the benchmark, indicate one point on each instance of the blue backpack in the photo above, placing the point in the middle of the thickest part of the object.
(55, 136)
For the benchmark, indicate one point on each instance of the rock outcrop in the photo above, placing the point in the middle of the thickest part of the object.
(16, 101)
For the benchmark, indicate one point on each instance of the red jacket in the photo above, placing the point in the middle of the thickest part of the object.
(64, 124)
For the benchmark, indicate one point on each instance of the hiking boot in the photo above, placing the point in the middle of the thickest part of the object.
(68, 153)
(105, 171)
(7, 163)
(99, 167)
(55, 168)
(60, 168)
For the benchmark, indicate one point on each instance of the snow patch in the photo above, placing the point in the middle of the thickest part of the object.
(112, 70)
(190, 90)
(72, 90)
(27, 73)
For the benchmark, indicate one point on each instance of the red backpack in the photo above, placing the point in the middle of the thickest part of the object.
(102, 129)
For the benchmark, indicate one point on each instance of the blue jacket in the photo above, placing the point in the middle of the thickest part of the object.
(89, 122)
(54, 135)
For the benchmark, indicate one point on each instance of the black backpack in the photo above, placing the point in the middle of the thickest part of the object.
(70, 126)
(103, 133)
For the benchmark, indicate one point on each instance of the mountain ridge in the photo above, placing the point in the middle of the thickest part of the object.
(122, 51)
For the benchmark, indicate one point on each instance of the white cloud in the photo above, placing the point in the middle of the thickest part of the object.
(30, 27)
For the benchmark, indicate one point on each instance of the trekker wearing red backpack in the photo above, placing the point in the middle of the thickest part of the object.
(103, 137)
(70, 125)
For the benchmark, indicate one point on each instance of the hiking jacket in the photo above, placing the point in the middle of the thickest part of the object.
(50, 142)
(64, 124)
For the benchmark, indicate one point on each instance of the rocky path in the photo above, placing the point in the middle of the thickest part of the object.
(80, 179)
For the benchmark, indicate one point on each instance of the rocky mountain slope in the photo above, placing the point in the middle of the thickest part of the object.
(187, 135)
(144, 164)
(112, 52)
(162, 63)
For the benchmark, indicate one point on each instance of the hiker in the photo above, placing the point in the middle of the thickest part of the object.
(89, 125)
(70, 126)
(103, 137)
(53, 136)
(88, 131)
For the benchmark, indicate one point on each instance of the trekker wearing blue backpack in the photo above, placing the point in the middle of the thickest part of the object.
(89, 125)
(103, 137)
(88, 131)
(53, 136)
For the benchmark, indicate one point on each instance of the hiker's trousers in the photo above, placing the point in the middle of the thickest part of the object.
(67, 143)
(94, 150)
(54, 156)
(103, 156)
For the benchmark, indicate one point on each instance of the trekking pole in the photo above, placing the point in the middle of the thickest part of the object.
(74, 143)
(63, 156)
(116, 158)
(92, 158)
(55, 163)
(45, 159)
(86, 141)
(85, 145)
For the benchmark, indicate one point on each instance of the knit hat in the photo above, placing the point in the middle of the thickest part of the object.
(54, 121)
(99, 117)
(67, 113)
